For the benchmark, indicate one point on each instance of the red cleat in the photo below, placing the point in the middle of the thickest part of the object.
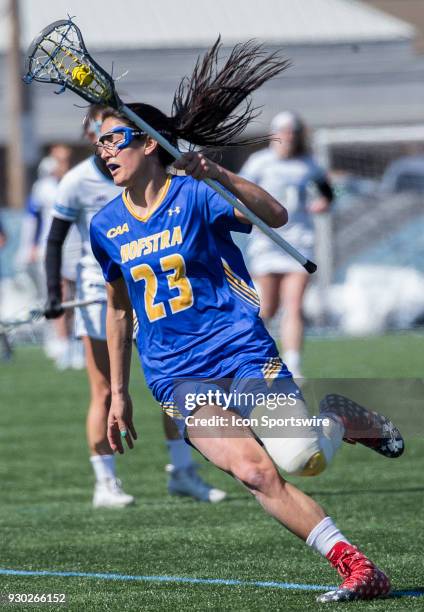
(362, 579)
(364, 426)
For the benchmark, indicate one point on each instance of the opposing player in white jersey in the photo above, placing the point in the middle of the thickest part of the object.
(82, 193)
(287, 171)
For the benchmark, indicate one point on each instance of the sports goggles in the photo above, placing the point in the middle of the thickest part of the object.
(117, 138)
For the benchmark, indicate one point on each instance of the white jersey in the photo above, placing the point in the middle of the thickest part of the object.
(43, 198)
(83, 191)
(289, 181)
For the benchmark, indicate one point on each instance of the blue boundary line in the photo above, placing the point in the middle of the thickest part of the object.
(180, 579)
(293, 586)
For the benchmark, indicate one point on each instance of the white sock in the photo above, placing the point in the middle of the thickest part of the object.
(331, 436)
(103, 466)
(292, 360)
(324, 536)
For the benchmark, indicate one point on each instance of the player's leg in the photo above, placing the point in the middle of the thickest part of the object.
(268, 395)
(108, 491)
(301, 450)
(269, 291)
(235, 450)
(367, 427)
(183, 475)
(293, 285)
(265, 392)
(6, 351)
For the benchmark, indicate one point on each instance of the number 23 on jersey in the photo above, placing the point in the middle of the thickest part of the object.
(177, 279)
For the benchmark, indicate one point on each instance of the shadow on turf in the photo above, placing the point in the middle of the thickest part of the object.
(351, 492)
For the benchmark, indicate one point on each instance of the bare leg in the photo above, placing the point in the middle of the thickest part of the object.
(108, 492)
(269, 286)
(99, 378)
(63, 324)
(293, 287)
(242, 457)
(6, 347)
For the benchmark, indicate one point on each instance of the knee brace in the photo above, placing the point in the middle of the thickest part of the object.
(296, 456)
(308, 455)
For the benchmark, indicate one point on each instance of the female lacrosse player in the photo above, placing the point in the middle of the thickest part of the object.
(200, 335)
(84, 191)
(288, 172)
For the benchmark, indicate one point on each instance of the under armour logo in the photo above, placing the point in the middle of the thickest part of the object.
(175, 210)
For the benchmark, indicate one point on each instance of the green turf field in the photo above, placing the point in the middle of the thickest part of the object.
(47, 522)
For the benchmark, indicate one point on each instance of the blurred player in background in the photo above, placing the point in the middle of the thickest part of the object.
(83, 192)
(200, 330)
(59, 345)
(288, 172)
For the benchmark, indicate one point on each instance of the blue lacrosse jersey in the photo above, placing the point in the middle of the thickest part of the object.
(196, 305)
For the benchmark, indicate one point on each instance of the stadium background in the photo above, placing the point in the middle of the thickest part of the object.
(357, 79)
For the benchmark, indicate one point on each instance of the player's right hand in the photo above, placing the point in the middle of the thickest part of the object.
(53, 309)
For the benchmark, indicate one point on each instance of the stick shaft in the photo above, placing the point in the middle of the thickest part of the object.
(36, 314)
(254, 219)
(81, 303)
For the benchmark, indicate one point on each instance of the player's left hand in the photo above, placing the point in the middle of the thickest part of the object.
(120, 425)
(198, 166)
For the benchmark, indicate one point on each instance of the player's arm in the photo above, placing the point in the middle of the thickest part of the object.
(58, 231)
(65, 213)
(322, 203)
(119, 332)
(254, 197)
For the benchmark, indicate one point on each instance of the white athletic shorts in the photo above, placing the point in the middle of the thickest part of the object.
(90, 320)
(69, 268)
(265, 257)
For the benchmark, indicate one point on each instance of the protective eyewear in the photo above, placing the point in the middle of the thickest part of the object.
(117, 138)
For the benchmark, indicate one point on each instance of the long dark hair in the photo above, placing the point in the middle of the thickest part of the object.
(204, 105)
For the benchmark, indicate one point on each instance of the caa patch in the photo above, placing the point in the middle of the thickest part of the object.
(118, 231)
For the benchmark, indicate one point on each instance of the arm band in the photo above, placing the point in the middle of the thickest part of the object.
(58, 232)
(325, 189)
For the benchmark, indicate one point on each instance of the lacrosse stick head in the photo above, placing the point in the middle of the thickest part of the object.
(59, 55)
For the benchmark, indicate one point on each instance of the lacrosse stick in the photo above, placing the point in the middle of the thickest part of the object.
(36, 314)
(58, 55)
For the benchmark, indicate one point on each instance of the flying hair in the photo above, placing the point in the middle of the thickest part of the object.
(204, 106)
(204, 109)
